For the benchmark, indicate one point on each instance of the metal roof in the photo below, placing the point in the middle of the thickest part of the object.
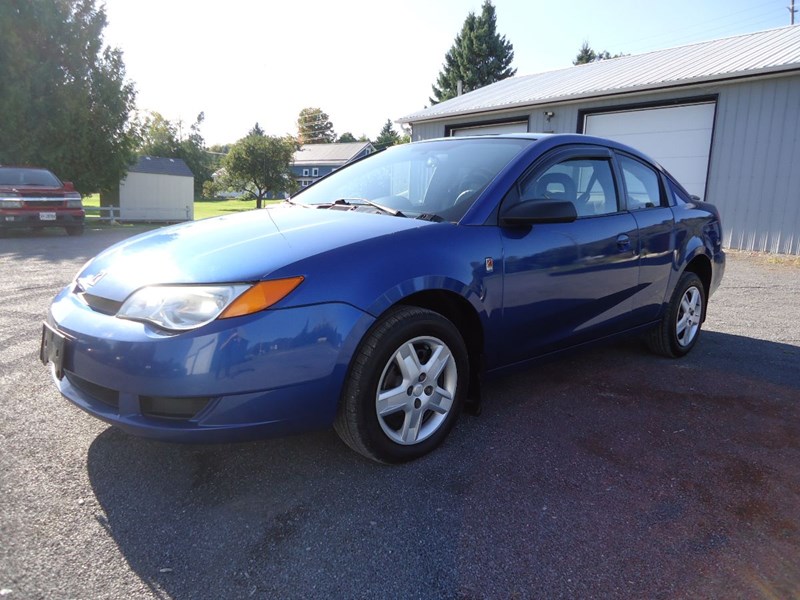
(156, 165)
(747, 55)
(328, 154)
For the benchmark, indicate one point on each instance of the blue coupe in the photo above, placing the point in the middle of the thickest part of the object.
(376, 299)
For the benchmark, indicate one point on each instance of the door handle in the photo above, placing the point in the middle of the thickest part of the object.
(623, 242)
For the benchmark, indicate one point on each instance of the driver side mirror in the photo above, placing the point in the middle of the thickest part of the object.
(532, 212)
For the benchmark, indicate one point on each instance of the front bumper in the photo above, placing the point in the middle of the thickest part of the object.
(44, 217)
(271, 373)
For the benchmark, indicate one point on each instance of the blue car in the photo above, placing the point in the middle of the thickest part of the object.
(377, 299)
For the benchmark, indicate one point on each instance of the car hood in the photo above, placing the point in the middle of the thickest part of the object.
(242, 247)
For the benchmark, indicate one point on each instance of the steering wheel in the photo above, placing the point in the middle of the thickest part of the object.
(463, 196)
(472, 183)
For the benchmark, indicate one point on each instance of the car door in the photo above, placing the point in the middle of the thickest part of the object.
(570, 282)
(646, 200)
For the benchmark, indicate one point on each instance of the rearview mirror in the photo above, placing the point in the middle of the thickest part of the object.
(531, 212)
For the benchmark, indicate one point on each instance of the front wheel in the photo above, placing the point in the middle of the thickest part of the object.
(405, 388)
(679, 329)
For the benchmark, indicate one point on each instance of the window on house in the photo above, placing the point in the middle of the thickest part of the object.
(305, 172)
(314, 172)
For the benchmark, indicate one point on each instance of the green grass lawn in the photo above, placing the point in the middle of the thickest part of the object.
(202, 208)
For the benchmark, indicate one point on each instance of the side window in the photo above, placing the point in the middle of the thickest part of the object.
(680, 196)
(641, 183)
(587, 183)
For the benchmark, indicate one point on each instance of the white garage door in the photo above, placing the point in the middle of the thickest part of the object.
(678, 137)
(515, 127)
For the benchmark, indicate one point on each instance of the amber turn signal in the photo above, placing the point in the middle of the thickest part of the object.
(260, 296)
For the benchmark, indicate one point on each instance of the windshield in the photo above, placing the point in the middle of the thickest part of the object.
(439, 179)
(19, 176)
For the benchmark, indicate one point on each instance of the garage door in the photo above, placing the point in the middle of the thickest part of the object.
(515, 127)
(678, 137)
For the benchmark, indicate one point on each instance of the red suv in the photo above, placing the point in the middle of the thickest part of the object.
(34, 197)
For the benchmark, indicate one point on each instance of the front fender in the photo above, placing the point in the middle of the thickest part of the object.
(374, 274)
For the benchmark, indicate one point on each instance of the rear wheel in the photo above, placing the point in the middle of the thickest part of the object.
(74, 229)
(679, 329)
(405, 387)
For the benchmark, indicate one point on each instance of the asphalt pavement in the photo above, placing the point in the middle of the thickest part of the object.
(610, 473)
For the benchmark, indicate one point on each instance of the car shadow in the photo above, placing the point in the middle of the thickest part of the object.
(609, 461)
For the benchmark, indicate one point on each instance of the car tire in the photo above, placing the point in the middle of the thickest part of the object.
(405, 388)
(74, 230)
(680, 326)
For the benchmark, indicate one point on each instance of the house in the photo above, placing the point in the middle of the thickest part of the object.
(155, 189)
(313, 161)
(723, 116)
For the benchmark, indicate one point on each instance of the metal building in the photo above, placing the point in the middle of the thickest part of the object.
(723, 116)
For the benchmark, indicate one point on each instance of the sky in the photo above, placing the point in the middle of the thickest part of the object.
(366, 61)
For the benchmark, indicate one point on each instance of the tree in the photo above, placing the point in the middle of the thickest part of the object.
(479, 56)
(587, 55)
(387, 137)
(259, 164)
(346, 138)
(158, 136)
(314, 127)
(64, 99)
(161, 137)
(192, 149)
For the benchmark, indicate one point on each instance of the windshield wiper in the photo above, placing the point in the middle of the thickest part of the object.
(430, 217)
(356, 201)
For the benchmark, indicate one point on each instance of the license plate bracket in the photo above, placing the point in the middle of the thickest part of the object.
(52, 349)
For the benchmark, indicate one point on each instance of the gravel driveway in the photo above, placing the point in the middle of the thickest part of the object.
(611, 473)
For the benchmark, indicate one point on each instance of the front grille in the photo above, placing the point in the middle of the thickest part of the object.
(100, 393)
(43, 203)
(172, 408)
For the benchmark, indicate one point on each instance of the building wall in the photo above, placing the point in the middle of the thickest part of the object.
(755, 165)
(754, 172)
(306, 180)
(149, 197)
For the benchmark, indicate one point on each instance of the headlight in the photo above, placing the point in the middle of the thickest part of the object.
(184, 307)
(6, 203)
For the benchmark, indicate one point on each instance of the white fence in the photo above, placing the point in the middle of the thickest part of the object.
(108, 214)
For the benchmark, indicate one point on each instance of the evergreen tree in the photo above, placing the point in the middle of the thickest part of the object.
(387, 137)
(314, 127)
(587, 55)
(346, 138)
(479, 56)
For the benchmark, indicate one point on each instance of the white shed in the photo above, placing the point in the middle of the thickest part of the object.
(157, 189)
